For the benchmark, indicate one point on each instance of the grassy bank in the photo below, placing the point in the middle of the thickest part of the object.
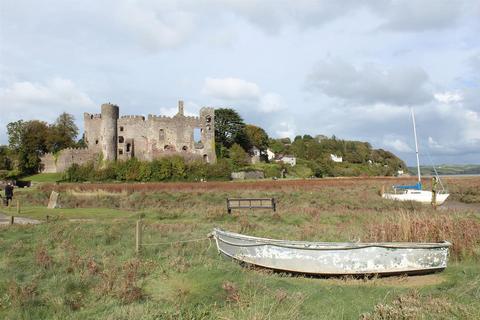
(88, 269)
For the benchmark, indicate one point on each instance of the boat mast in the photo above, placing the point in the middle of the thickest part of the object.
(416, 145)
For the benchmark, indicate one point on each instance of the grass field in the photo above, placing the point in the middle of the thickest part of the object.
(44, 177)
(87, 269)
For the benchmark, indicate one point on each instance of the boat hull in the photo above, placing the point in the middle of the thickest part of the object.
(422, 196)
(334, 258)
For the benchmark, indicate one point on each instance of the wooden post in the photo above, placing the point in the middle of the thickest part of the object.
(18, 206)
(434, 193)
(138, 236)
(12, 220)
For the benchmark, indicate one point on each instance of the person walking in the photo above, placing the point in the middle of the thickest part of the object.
(8, 193)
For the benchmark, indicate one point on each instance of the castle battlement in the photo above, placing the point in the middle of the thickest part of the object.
(136, 117)
(92, 116)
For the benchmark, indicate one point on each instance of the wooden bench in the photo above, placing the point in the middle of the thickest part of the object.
(251, 203)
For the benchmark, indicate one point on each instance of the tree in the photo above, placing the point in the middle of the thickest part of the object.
(238, 155)
(28, 141)
(257, 136)
(15, 132)
(63, 133)
(5, 159)
(276, 146)
(229, 129)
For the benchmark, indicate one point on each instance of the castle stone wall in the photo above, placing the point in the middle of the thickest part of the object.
(65, 158)
(146, 138)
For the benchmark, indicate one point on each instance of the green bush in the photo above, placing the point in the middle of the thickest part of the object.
(164, 169)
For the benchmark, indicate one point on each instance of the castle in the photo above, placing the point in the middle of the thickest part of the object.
(112, 138)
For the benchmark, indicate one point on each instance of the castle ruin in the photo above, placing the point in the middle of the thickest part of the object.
(112, 138)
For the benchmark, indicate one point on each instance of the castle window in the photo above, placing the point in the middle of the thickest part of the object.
(205, 158)
(128, 147)
(96, 141)
(197, 134)
(91, 117)
(161, 134)
(121, 128)
(169, 147)
(120, 151)
(120, 139)
(184, 148)
(208, 119)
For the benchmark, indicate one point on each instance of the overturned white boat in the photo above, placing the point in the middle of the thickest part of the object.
(334, 258)
(415, 192)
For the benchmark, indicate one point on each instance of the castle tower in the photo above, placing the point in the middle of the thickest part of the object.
(108, 131)
(207, 120)
(180, 108)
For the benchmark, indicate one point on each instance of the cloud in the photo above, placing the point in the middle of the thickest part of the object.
(271, 102)
(285, 129)
(448, 97)
(30, 100)
(243, 93)
(397, 144)
(231, 89)
(418, 15)
(370, 83)
(57, 92)
(155, 28)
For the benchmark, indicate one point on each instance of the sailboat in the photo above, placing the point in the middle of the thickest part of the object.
(415, 192)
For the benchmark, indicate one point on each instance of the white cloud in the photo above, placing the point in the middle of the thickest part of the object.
(397, 144)
(155, 28)
(285, 129)
(271, 102)
(57, 92)
(243, 93)
(44, 101)
(448, 97)
(231, 89)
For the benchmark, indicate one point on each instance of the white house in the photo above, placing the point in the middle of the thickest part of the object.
(291, 160)
(270, 155)
(336, 158)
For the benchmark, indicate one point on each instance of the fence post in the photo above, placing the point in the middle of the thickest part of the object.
(138, 236)
(18, 206)
(434, 193)
(12, 219)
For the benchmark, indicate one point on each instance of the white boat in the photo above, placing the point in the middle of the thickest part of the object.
(423, 196)
(334, 258)
(415, 192)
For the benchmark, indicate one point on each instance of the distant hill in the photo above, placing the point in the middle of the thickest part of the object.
(447, 169)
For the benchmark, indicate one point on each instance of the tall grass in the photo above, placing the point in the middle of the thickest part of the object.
(461, 231)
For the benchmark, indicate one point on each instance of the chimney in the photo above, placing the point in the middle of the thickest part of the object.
(180, 107)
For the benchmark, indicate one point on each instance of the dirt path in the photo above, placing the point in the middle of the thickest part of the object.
(457, 205)
(5, 219)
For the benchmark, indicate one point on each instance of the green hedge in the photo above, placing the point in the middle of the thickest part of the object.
(164, 169)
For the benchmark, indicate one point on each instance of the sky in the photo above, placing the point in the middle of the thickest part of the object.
(353, 69)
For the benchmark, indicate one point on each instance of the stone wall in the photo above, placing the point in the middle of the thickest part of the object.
(247, 175)
(65, 158)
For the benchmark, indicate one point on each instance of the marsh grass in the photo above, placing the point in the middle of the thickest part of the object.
(403, 226)
(88, 269)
